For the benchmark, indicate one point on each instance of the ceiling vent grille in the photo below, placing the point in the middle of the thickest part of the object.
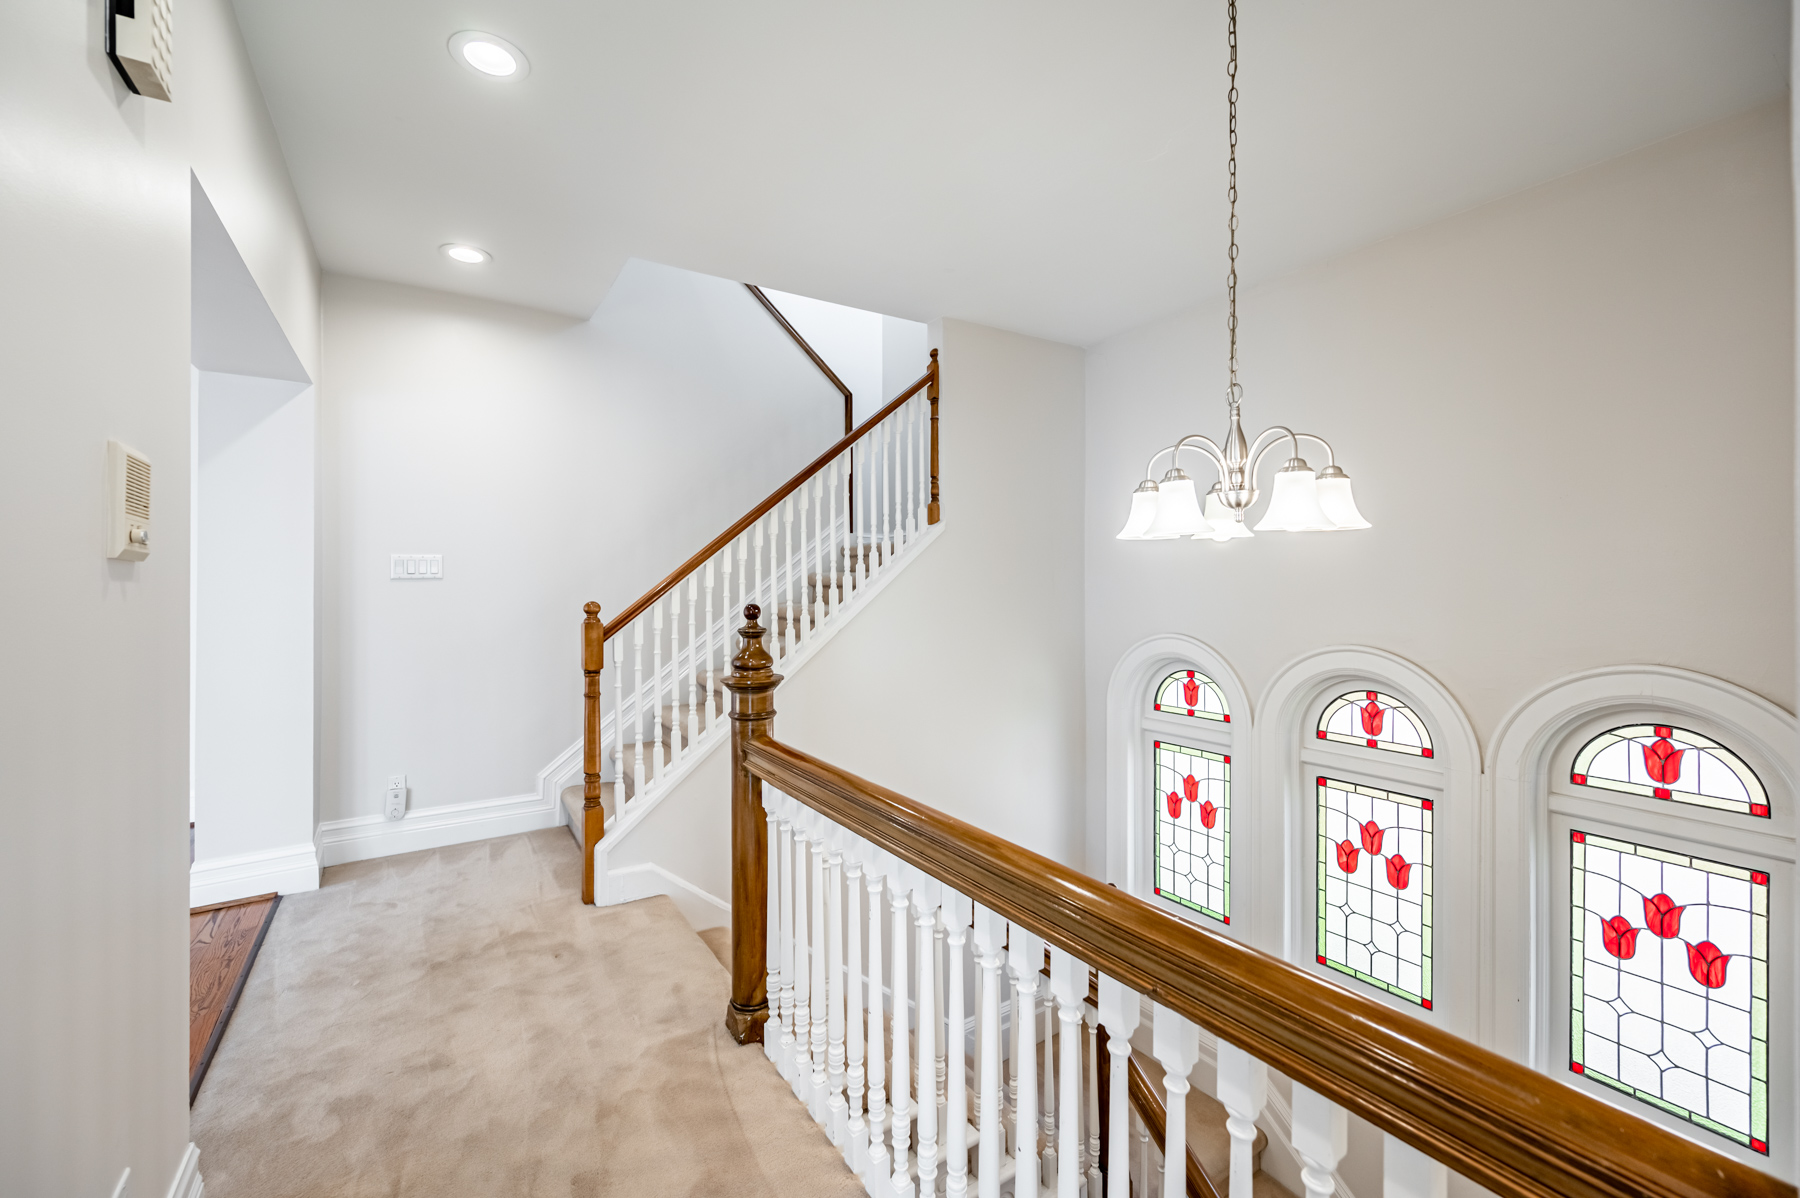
(127, 503)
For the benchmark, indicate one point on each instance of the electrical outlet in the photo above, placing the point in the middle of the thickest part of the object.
(396, 797)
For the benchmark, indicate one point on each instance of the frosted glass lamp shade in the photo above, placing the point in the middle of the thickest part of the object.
(1177, 509)
(1336, 501)
(1143, 511)
(1225, 524)
(1294, 506)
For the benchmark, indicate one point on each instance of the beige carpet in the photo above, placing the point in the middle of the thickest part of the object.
(454, 1022)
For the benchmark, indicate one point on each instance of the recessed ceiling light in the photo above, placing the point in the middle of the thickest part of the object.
(490, 56)
(466, 254)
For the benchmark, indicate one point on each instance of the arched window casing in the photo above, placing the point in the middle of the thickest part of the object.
(1379, 779)
(1660, 950)
(1176, 782)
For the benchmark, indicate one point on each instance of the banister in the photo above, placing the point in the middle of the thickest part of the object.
(926, 380)
(1508, 1127)
(809, 351)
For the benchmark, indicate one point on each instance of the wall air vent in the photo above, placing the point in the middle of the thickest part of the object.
(140, 40)
(127, 503)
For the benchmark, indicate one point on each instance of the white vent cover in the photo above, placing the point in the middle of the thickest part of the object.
(143, 45)
(127, 503)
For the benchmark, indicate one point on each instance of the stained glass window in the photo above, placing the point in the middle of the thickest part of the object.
(1191, 694)
(1375, 721)
(1375, 887)
(1193, 828)
(1661, 762)
(1669, 996)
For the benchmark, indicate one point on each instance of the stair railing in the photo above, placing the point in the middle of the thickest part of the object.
(809, 836)
(805, 554)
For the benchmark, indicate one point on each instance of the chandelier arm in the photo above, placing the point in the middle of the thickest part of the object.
(1258, 448)
(1206, 444)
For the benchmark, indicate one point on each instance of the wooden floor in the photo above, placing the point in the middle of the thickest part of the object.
(222, 945)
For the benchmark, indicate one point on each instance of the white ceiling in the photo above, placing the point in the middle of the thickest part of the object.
(1051, 167)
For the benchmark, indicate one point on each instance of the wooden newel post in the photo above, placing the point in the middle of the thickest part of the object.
(593, 817)
(752, 683)
(933, 511)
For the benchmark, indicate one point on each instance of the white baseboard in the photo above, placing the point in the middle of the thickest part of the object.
(187, 1182)
(285, 870)
(365, 837)
(702, 908)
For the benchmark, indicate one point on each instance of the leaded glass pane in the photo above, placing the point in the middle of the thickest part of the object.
(1669, 998)
(1661, 762)
(1191, 695)
(1375, 721)
(1375, 887)
(1192, 798)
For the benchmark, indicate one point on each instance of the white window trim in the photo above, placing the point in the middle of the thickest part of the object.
(1128, 767)
(1522, 1021)
(1289, 710)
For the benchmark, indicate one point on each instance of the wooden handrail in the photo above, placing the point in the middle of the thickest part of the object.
(1508, 1127)
(809, 351)
(926, 380)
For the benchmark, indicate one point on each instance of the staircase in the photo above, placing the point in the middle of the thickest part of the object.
(811, 555)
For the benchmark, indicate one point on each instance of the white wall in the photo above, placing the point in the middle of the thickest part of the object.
(1569, 415)
(961, 683)
(94, 344)
(551, 461)
(253, 775)
(1525, 396)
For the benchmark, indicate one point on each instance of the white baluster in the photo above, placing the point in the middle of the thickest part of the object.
(1023, 960)
(837, 1109)
(899, 929)
(818, 1095)
(1408, 1173)
(712, 712)
(692, 720)
(887, 489)
(730, 623)
(1068, 985)
(865, 522)
(787, 591)
(809, 550)
(1243, 1089)
(956, 1110)
(856, 1153)
(743, 581)
(925, 912)
(656, 681)
(1090, 1157)
(674, 723)
(1144, 1184)
(875, 1174)
(1047, 1094)
(1177, 1045)
(909, 430)
(1014, 1048)
(615, 645)
(802, 973)
(637, 704)
(990, 955)
(772, 924)
(1120, 1016)
(939, 1090)
(1320, 1137)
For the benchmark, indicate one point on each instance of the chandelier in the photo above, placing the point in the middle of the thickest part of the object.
(1301, 501)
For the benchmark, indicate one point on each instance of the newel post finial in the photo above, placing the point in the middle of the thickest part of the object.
(593, 816)
(752, 684)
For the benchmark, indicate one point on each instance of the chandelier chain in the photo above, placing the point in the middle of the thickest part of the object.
(1233, 391)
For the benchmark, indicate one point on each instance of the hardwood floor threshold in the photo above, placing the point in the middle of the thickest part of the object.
(222, 1017)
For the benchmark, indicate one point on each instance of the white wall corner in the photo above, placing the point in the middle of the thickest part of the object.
(365, 837)
(286, 870)
(701, 908)
(187, 1182)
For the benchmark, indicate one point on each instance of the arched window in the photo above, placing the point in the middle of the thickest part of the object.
(1666, 762)
(1187, 722)
(1375, 721)
(1657, 805)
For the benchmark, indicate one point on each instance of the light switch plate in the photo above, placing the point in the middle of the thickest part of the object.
(416, 567)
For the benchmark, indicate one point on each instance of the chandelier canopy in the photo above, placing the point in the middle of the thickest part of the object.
(1301, 500)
